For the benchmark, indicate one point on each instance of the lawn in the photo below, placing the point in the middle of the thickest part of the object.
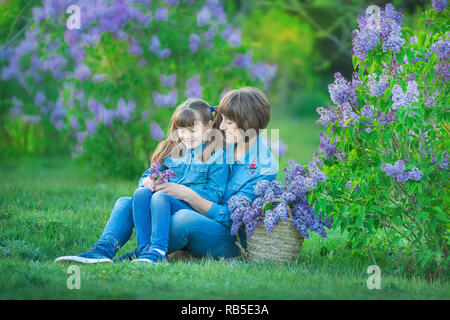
(53, 206)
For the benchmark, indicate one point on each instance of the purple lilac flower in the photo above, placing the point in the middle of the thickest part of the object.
(388, 118)
(325, 146)
(387, 29)
(279, 148)
(82, 72)
(209, 35)
(444, 162)
(327, 116)
(194, 42)
(81, 135)
(171, 2)
(263, 72)
(145, 115)
(142, 62)
(443, 70)
(364, 39)
(412, 40)
(158, 175)
(161, 14)
(162, 54)
(341, 91)
(155, 131)
(226, 33)
(169, 80)
(99, 77)
(393, 170)
(243, 60)
(124, 110)
(415, 174)
(439, 5)
(349, 185)
(441, 48)
(404, 99)
(235, 38)
(377, 89)
(194, 88)
(260, 187)
(155, 44)
(135, 49)
(204, 16)
(74, 123)
(39, 99)
(168, 100)
(91, 126)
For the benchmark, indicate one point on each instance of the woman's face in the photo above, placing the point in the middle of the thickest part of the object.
(231, 130)
(193, 137)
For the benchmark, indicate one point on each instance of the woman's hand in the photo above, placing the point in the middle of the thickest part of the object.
(176, 190)
(184, 193)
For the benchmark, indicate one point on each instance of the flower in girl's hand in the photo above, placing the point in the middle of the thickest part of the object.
(160, 176)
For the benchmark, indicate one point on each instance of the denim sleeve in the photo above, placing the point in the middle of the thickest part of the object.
(220, 212)
(217, 181)
(145, 174)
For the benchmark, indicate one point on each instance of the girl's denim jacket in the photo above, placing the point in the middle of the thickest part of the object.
(208, 179)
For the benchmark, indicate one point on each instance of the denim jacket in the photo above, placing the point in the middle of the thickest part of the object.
(257, 164)
(207, 178)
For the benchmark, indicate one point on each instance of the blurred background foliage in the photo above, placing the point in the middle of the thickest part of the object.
(308, 40)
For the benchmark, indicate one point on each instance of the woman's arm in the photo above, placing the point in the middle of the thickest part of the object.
(184, 193)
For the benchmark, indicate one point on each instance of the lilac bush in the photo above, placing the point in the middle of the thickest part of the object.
(385, 152)
(107, 84)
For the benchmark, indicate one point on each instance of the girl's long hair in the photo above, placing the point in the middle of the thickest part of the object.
(185, 115)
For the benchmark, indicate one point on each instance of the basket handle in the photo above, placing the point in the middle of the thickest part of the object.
(243, 251)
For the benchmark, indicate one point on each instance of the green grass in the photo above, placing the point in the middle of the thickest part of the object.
(51, 207)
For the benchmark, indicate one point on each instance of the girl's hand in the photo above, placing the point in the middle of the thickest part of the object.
(150, 183)
(176, 190)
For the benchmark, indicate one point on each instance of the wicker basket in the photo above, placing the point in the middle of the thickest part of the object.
(281, 245)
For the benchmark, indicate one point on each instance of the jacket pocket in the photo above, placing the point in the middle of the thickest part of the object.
(197, 174)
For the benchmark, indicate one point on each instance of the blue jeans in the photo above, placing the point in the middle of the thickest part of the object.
(188, 229)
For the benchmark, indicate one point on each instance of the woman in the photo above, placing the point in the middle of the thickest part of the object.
(204, 230)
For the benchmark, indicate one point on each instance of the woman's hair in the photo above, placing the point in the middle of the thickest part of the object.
(248, 107)
(186, 115)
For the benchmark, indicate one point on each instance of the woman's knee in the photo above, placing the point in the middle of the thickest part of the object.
(186, 218)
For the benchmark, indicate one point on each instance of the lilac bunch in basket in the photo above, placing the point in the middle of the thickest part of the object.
(275, 203)
(158, 175)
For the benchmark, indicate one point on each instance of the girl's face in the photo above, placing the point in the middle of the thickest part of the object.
(231, 130)
(193, 137)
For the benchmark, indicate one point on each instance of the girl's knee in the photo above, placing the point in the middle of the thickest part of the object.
(159, 196)
(142, 193)
(123, 201)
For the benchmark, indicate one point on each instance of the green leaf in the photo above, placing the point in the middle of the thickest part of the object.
(355, 61)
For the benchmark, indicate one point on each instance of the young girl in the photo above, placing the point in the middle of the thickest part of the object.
(188, 152)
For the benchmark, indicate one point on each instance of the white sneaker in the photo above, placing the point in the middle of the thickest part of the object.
(82, 260)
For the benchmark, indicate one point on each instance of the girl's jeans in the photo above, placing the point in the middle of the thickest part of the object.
(164, 223)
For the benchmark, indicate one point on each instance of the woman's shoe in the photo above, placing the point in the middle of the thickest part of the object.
(153, 257)
(127, 256)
